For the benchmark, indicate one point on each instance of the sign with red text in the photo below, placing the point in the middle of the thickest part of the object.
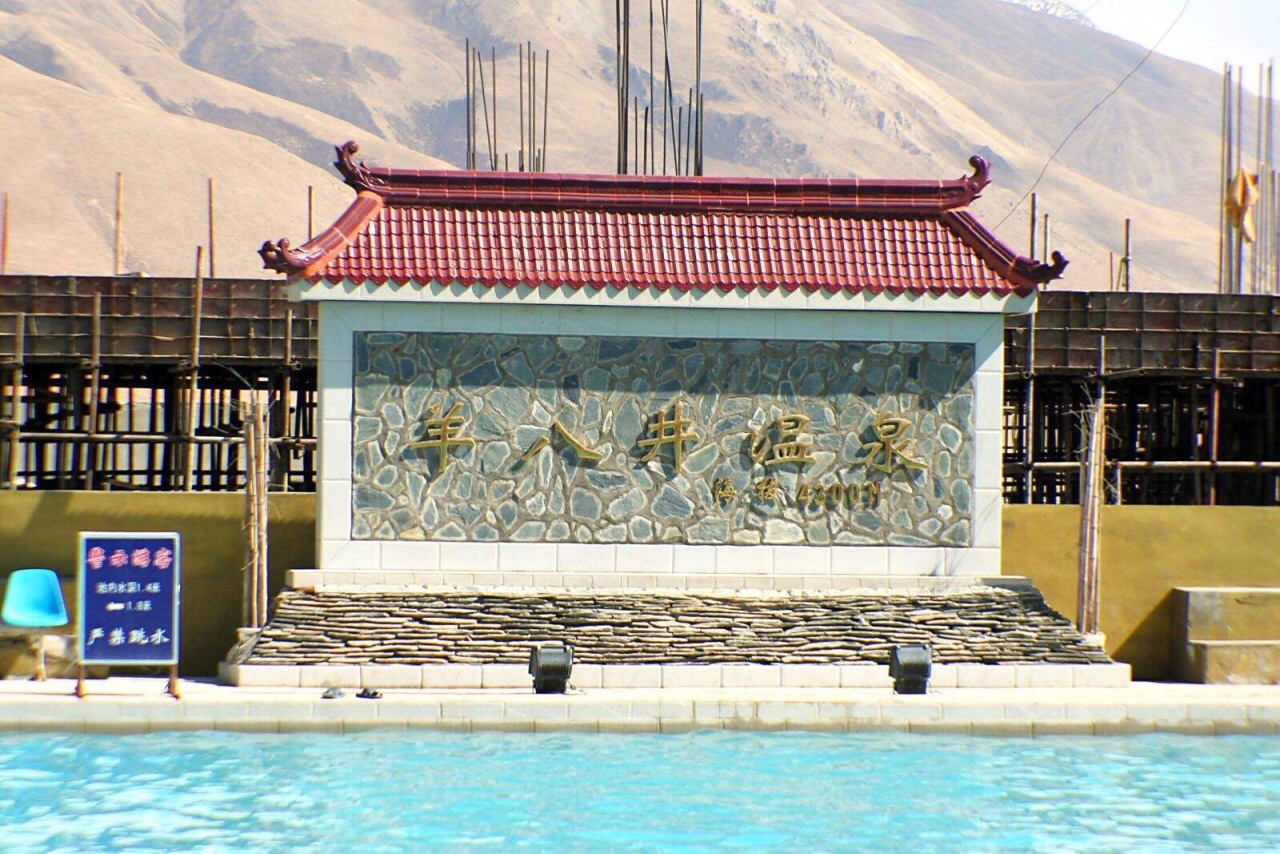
(129, 595)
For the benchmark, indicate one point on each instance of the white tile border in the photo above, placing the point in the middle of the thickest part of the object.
(636, 676)
(372, 580)
(138, 704)
(524, 295)
(513, 311)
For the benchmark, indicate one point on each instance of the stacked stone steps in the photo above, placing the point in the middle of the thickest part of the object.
(481, 637)
(1227, 635)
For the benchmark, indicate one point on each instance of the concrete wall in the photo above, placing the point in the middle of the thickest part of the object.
(40, 528)
(780, 317)
(1146, 552)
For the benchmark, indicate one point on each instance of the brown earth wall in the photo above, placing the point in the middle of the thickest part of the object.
(40, 528)
(1146, 552)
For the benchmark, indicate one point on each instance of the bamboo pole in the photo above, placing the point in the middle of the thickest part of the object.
(1031, 250)
(95, 381)
(311, 212)
(260, 590)
(4, 237)
(1126, 262)
(1197, 478)
(194, 381)
(248, 597)
(286, 398)
(213, 242)
(1215, 413)
(1089, 587)
(1029, 451)
(1239, 247)
(15, 398)
(1255, 267)
(1223, 176)
(1228, 143)
(119, 253)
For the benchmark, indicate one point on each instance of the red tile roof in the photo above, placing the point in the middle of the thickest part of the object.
(660, 232)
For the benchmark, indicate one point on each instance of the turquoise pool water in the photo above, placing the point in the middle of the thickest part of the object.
(577, 792)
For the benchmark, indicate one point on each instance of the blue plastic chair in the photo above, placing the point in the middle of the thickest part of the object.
(33, 599)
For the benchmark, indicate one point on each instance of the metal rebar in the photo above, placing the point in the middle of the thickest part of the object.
(697, 88)
(467, 160)
(546, 99)
(484, 102)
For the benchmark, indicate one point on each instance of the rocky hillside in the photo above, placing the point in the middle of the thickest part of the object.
(254, 93)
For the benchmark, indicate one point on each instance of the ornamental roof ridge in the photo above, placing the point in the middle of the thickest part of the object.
(493, 228)
(660, 193)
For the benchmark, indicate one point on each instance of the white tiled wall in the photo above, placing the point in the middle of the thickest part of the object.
(525, 310)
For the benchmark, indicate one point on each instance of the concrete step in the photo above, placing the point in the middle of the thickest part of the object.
(1231, 662)
(1227, 613)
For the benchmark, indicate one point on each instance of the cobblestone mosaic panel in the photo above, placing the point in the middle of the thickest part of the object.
(624, 439)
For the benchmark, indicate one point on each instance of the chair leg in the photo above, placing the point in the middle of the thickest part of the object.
(41, 674)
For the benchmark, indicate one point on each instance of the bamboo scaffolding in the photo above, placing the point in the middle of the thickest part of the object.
(119, 242)
(14, 427)
(95, 380)
(1093, 470)
(213, 239)
(4, 236)
(189, 413)
(254, 610)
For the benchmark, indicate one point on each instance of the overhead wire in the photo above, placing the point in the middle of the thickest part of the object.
(1186, 4)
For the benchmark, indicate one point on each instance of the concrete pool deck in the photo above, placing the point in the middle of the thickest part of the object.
(139, 704)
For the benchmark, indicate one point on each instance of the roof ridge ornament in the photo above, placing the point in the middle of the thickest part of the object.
(280, 257)
(981, 177)
(1044, 272)
(357, 175)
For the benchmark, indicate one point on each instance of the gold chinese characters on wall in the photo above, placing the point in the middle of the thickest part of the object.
(670, 433)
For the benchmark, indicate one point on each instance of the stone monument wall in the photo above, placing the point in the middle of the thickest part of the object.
(615, 439)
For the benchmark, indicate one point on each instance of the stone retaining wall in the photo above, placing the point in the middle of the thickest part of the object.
(361, 626)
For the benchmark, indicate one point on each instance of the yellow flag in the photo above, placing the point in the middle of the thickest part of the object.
(1242, 195)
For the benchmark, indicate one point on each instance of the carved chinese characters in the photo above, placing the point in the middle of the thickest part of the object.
(576, 439)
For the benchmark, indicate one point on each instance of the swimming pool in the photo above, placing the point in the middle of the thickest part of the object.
(580, 792)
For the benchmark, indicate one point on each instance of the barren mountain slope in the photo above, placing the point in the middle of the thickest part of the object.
(255, 92)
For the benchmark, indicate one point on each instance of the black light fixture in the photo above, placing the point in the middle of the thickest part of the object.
(909, 667)
(550, 665)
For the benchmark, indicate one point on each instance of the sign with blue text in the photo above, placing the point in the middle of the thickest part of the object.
(129, 593)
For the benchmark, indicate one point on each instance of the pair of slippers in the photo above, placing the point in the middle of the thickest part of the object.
(366, 694)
